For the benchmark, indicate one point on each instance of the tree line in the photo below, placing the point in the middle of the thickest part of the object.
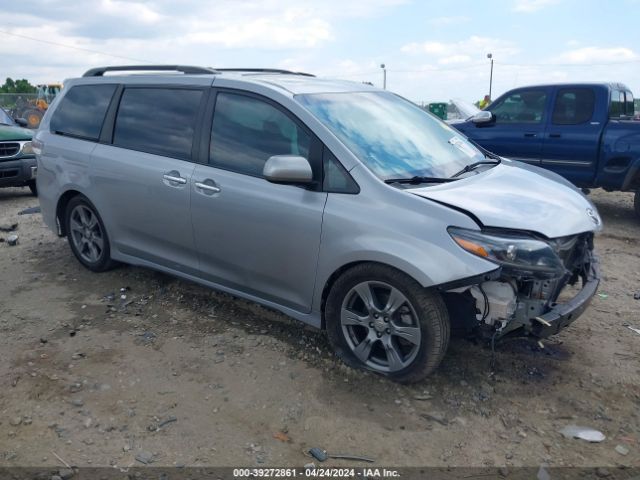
(17, 86)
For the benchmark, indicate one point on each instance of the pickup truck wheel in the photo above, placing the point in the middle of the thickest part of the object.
(87, 236)
(32, 186)
(636, 203)
(382, 320)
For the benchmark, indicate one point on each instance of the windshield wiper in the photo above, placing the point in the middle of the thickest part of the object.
(418, 179)
(473, 165)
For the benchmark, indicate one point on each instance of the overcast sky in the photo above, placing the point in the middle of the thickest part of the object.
(434, 50)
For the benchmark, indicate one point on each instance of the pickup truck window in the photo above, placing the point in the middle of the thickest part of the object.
(573, 106)
(523, 106)
(617, 108)
(629, 109)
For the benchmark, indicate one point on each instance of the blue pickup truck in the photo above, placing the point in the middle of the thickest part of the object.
(584, 132)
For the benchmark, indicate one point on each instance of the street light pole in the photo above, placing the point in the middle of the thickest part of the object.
(490, 57)
(384, 76)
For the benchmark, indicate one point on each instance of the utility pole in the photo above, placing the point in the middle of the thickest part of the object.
(384, 76)
(490, 57)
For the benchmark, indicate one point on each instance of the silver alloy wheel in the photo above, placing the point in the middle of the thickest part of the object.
(380, 326)
(86, 233)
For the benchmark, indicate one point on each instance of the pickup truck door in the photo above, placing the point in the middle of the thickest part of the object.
(518, 129)
(572, 137)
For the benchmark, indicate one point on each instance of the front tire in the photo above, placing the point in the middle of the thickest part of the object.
(87, 235)
(32, 186)
(381, 319)
(636, 203)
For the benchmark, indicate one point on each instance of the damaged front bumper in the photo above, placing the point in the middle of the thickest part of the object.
(508, 302)
(564, 314)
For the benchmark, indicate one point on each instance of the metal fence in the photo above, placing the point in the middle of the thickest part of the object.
(9, 101)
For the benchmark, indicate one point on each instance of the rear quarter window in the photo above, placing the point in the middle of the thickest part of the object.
(82, 110)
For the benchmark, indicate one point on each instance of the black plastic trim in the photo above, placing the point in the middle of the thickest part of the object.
(100, 71)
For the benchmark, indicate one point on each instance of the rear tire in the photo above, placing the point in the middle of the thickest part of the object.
(636, 203)
(87, 235)
(380, 319)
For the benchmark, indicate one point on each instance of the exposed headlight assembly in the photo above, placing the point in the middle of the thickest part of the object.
(26, 149)
(517, 253)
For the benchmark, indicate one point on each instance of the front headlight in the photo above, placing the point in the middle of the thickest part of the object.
(27, 148)
(518, 253)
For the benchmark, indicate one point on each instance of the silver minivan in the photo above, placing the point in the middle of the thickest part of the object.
(344, 206)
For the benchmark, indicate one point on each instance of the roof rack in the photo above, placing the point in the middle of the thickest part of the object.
(263, 70)
(100, 71)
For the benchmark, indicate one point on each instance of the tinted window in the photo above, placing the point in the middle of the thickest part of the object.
(247, 131)
(525, 106)
(573, 106)
(81, 111)
(157, 120)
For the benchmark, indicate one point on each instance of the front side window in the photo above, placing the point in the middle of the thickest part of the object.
(82, 110)
(393, 137)
(573, 106)
(525, 106)
(157, 120)
(247, 131)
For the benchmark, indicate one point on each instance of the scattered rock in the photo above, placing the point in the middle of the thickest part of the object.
(77, 402)
(66, 473)
(622, 450)
(422, 397)
(145, 457)
(436, 417)
(15, 421)
(12, 240)
(29, 211)
(8, 227)
(602, 472)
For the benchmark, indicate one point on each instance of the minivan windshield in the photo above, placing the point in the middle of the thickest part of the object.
(393, 137)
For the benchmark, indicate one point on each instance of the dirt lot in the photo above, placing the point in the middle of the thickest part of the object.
(175, 374)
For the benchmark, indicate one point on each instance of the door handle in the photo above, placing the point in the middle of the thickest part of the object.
(176, 179)
(554, 135)
(207, 187)
(530, 135)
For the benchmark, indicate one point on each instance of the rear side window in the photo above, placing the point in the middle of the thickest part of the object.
(524, 106)
(157, 120)
(573, 106)
(82, 110)
(247, 131)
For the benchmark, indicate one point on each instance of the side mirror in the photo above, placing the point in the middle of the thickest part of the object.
(288, 169)
(21, 121)
(483, 117)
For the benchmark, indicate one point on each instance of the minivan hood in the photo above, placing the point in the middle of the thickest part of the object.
(519, 196)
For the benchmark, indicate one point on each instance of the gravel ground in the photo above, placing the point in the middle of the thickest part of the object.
(169, 373)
